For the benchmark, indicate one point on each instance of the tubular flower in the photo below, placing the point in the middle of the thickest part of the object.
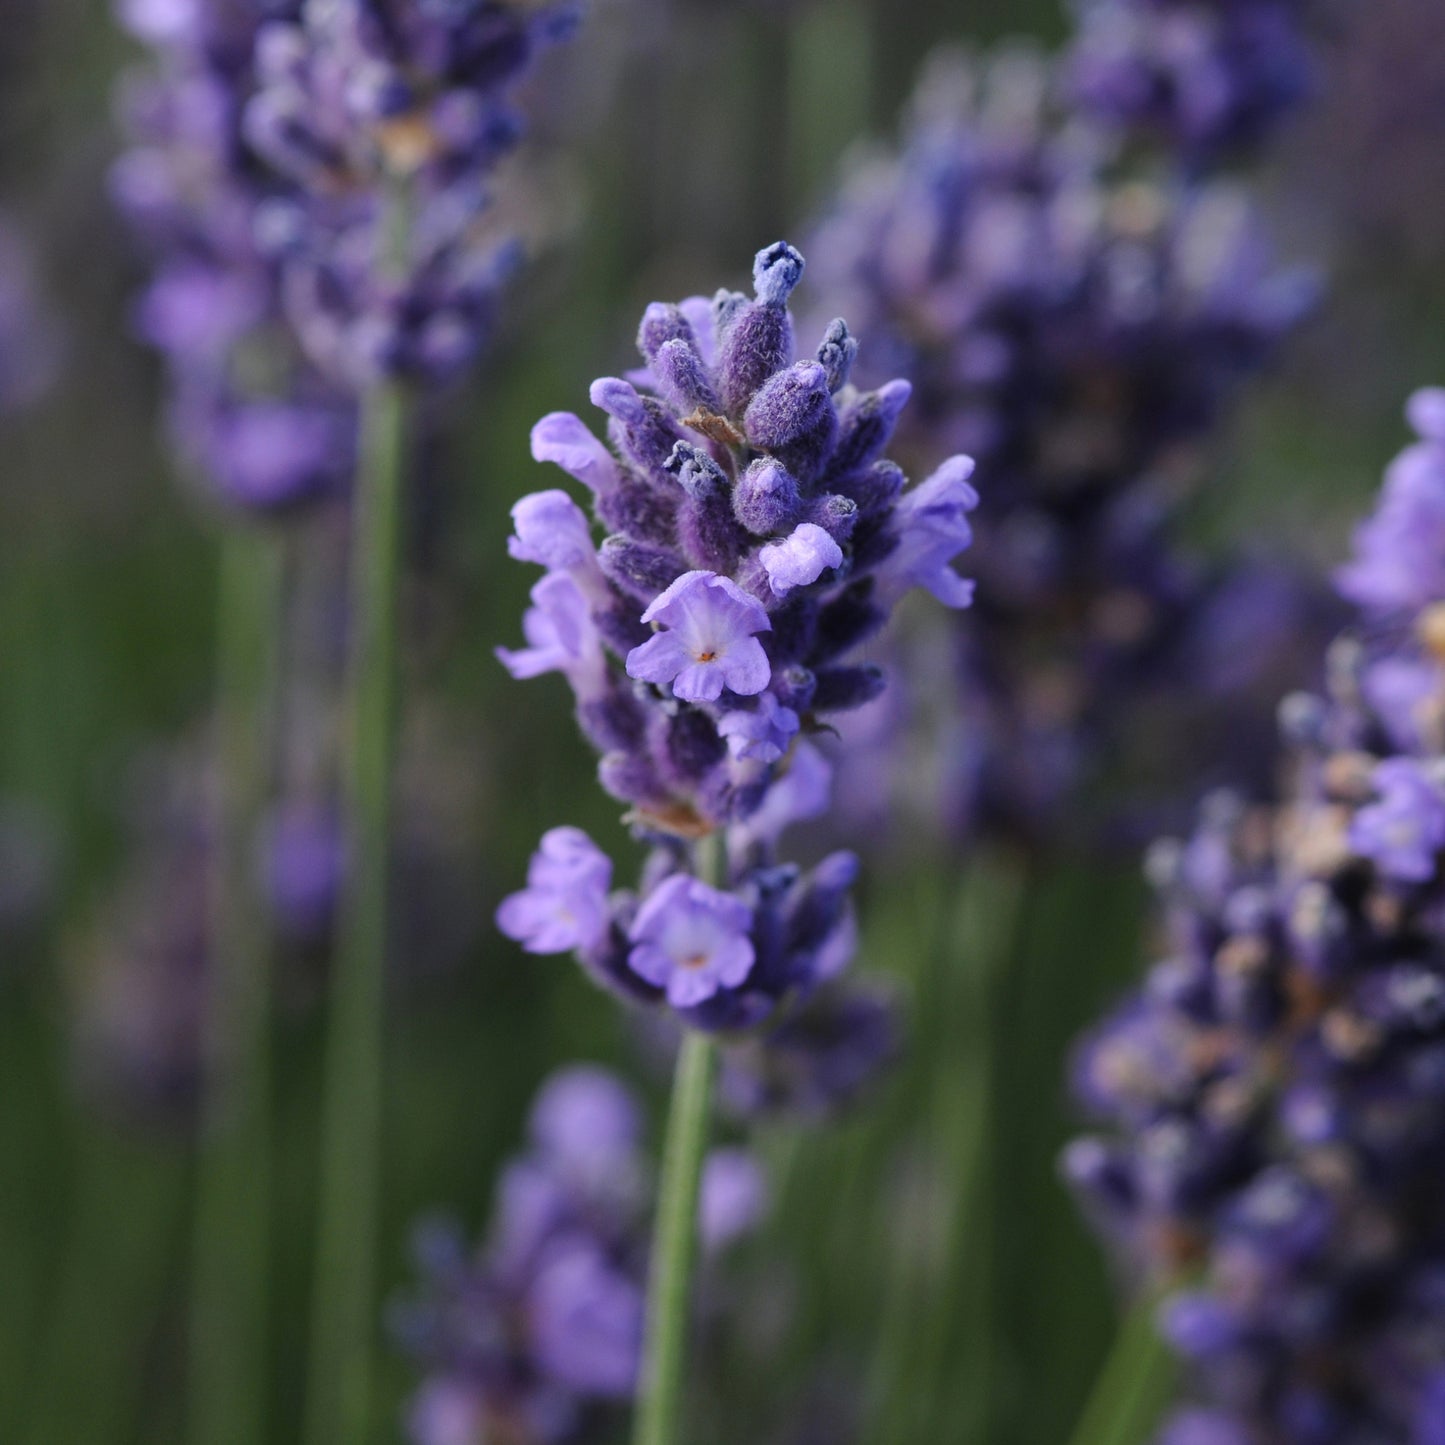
(1275, 1092)
(756, 537)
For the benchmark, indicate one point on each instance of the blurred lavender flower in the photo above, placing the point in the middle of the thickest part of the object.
(1202, 76)
(247, 411)
(1275, 1092)
(1082, 335)
(757, 537)
(538, 1336)
(357, 102)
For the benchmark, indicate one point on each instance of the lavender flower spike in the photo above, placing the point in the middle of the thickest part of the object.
(1273, 1097)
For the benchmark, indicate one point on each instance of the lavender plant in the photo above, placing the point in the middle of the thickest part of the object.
(1271, 1094)
(1082, 333)
(539, 1334)
(757, 536)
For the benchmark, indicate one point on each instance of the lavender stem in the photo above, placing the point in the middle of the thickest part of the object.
(1133, 1385)
(342, 1320)
(228, 1338)
(675, 1233)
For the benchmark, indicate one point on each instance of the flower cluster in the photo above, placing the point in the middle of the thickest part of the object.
(248, 412)
(756, 537)
(1081, 335)
(1276, 1089)
(537, 1335)
(389, 119)
(1203, 76)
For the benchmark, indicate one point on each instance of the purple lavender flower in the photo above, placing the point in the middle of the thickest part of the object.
(564, 906)
(756, 538)
(538, 1336)
(1080, 328)
(247, 411)
(357, 99)
(1274, 1095)
(692, 940)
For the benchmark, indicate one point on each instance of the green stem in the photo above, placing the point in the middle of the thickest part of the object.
(228, 1326)
(338, 1404)
(674, 1245)
(1133, 1386)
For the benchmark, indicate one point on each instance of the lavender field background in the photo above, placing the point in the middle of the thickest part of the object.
(920, 1271)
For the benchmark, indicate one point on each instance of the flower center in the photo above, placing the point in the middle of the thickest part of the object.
(707, 656)
(693, 960)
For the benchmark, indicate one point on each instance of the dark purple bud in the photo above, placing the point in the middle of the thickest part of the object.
(867, 427)
(662, 323)
(631, 777)
(638, 510)
(606, 963)
(683, 377)
(874, 489)
(707, 528)
(766, 499)
(847, 622)
(794, 627)
(836, 515)
(794, 687)
(793, 417)
(841, 689)
(837, 353)
(758, 339)
(642, 429)
(639, 570)
(693, 747)
(615, 723)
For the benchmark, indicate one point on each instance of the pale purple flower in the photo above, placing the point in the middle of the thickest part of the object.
(564, 905)
(762, 735)
(549, 528)
(564, 439)
(800, 559)
(1404, 831)
(561, 637)
(709, 642)
(933, 529)
(691, 940)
